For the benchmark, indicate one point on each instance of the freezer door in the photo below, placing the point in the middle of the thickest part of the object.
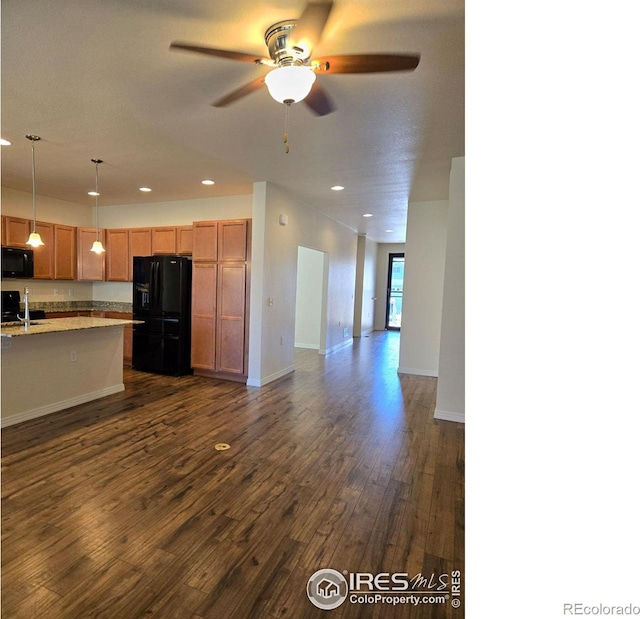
(160, 354)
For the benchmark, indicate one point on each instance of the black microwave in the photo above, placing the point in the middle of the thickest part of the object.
(17, 262)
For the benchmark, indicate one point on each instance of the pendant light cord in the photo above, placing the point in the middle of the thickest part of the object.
(97, 161)
(33, 139)
(33, 181)
(97, 233)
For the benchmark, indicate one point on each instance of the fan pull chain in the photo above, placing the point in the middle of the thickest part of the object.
(286, 127)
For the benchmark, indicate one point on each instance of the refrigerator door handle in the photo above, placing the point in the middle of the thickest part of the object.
(154, 280)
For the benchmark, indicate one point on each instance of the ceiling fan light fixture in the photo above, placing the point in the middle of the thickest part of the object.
(290, 84)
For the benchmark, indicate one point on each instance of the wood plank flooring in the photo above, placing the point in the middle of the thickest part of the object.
(123, 508)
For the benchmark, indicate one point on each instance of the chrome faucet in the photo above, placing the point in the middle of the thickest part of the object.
(26, 320)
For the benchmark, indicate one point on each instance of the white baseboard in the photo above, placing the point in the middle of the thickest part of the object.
(364, 333)
(312, 346)
(41, 411)
(260, 382)
(448, 416)
(327, 351)
(418, 372)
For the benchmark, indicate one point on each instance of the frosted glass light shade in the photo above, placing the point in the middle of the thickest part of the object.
(34, 240)
(290, 83)
(97, 248)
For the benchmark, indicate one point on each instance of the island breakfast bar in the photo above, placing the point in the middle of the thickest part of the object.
(58, 363)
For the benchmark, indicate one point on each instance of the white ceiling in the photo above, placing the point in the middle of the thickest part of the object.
(97, 79)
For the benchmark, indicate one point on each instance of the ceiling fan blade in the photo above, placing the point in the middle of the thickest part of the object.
(243, 91)
(222, 53)
(307, 32)
(319, 101)
(366, 63)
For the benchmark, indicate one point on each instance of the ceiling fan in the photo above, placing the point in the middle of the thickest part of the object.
(293, 75)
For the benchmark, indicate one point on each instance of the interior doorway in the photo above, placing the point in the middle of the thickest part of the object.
(395, 287)
(311, 299)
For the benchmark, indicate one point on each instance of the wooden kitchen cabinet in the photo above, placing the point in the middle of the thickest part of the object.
(219, 337)
(139, 245)
(117, 255)
(16, 231)
(90, 265)
(163, 240)
(203, 315)
(3, 232)
(184, 240)
(65, 261)
(43, 256)
(205, 241)
(232, 240)
(230, 318)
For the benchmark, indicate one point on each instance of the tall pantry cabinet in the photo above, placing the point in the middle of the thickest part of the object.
(220, 298)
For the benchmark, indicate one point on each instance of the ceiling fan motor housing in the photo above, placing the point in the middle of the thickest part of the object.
(281, 50)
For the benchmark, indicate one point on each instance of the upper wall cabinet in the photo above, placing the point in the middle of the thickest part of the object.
(16, 231)
(232, 240)
(65, 264)
(163, 240)
(90, 265)
(205, 241)
(43, 256)
(184, 240)
(117, 255)
(139, 245)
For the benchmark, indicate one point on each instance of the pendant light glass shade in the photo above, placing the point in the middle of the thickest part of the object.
(290, 84)
(34, 239)
(97, 247)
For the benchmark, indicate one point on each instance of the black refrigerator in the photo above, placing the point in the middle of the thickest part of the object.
(162, 299)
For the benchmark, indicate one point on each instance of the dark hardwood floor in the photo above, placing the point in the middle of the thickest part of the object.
(123, 508)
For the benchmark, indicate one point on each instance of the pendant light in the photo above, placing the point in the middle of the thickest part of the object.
(34, 238)
(97, 247)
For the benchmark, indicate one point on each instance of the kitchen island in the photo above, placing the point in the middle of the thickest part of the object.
(58, 363)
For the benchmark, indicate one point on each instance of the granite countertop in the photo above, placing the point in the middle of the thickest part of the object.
(57, 325)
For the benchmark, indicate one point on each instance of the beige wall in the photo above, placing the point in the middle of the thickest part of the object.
(450, 402)
(39, 376)
(366, 269)
(423, 285)
(275, 255)
(19, 204)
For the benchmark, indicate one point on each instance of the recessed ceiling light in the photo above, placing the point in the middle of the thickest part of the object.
(388, 230)
(337, 188)
(368, 215)
(93, 193)
(147, 189)
(206, 181)
(5, 142)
